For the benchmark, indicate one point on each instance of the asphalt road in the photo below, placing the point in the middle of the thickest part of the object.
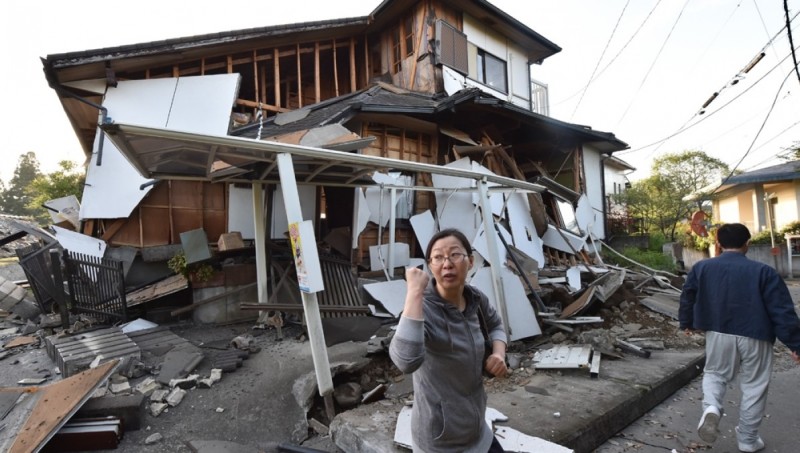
(672, 425)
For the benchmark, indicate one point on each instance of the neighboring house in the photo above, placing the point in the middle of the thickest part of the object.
(760, 199)
(428, 81)
(615, 179)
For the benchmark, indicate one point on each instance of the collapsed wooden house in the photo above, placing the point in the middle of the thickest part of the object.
(436, 83)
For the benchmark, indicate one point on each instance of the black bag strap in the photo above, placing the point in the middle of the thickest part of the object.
(482, 322)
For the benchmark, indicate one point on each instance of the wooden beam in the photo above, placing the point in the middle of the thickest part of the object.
(352, 64)
(203, 66)
(277, 67)
(271, 108)
(112, 229)
(317, 94)
(230, 64)
(335, 71)
(299, 80)
(416, 51)
(255, 78)
(367, 69)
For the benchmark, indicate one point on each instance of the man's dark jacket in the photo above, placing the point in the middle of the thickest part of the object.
(735, 295)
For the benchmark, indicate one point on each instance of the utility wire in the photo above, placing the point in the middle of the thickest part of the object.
(653, 63)
(705, 117)
(791, 42)
(603, 54)
(763, 24)
(763, 123)
(615, 56)
(714, 96)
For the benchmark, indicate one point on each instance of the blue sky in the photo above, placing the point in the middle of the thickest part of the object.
(655, 85)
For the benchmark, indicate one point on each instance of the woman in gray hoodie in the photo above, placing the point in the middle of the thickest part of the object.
(439, 340)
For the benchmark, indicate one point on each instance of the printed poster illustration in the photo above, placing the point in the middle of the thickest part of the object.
(306, 260)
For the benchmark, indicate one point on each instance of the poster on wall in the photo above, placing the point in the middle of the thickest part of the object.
(306, 258)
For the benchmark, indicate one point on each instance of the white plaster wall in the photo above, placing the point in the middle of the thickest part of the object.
(729, 210)
(786, 208)
(518, 71)
(594, 188)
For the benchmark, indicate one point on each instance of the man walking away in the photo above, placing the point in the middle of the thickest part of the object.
(742, 305)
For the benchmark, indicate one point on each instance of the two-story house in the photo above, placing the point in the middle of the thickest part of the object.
(425, 81)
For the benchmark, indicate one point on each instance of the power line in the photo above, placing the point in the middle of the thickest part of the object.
(791, 42)
(653, 63)
(760, 129)
(732, 82)
(615, 56)
(591, 77)
(705, 117)
(763, 24)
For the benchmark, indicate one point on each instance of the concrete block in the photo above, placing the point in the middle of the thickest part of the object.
(158, 396)
(185, 383)
(175, 396)
(157, 408)
(147, 386)
(128, 408)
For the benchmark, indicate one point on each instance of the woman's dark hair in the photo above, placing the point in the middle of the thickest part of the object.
(447, 233)
(733, 235)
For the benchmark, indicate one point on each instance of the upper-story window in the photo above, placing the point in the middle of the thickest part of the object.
(402, 43)
(492, 71)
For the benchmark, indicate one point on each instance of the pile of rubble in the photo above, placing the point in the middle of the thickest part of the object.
(609, 312)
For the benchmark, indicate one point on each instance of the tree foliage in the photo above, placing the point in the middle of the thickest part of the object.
(15, 198)
(659, 199)
(67, 180)
(792, 153)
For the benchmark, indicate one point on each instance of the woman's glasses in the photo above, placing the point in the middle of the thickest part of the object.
(454, 258)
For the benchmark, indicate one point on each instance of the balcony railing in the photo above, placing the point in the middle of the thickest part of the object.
(540, 101)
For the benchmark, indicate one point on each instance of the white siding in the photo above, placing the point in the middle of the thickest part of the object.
(594, 188)
(517, 69)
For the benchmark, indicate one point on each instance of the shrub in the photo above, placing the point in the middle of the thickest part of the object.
(654, 259)
(764, 237)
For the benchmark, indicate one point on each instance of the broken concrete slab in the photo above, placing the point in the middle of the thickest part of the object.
(179, 362)
(665, 304)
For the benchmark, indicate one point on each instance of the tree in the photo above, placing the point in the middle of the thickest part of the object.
(68, 180)
(660, 199)
(792, 152)
(15, 198)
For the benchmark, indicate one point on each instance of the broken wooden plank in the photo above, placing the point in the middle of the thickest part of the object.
(56, 404)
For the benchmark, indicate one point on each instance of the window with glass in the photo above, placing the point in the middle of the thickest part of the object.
(492, 71)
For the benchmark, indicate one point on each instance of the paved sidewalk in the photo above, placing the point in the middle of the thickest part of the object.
(567, 407)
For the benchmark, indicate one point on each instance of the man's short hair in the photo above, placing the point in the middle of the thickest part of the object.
(733, 235)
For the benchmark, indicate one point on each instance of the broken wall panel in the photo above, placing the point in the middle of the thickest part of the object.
(521, 316)
(562, 240)
(193, 104)
(155, 229)
(523, 230)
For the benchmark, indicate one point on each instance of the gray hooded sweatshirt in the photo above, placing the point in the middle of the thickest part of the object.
(445, 354)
